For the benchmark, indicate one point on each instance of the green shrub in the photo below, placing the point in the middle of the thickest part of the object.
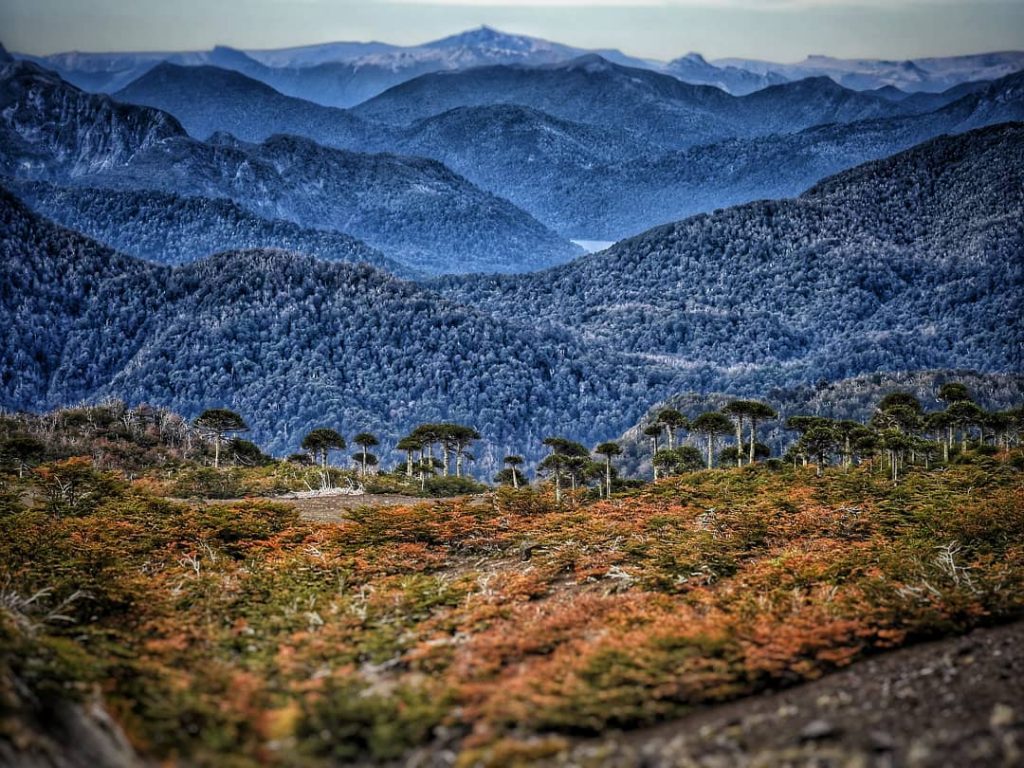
(453, 486)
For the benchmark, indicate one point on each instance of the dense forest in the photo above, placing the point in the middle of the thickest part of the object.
(171, 229)
(837, 282)
(289, 341)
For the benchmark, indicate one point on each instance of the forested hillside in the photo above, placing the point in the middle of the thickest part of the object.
(775, 294)
(614, 200)
(171, 229)
(414, 210)
(841, 281)
(293, 343)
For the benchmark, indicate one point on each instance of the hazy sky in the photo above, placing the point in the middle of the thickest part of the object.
(784, 30)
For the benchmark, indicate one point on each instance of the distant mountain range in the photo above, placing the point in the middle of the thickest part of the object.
(660, 109)
(581, 145)
(907, 263)
(346, 73)
(414, 210)
(927, 75)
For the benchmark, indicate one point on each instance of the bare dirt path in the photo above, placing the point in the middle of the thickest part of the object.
(955, 703)
(333, 509)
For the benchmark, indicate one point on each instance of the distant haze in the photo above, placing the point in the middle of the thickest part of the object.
(781, 30)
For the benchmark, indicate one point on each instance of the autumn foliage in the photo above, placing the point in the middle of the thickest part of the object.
(239, 634)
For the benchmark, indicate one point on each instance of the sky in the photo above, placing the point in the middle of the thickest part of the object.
(780, 30)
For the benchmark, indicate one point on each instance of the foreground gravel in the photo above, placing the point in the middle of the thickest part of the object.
(956, 703)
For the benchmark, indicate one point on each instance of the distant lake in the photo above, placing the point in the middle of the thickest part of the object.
(593, 246)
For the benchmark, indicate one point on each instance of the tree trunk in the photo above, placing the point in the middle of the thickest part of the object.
(711, 444)
(408, 463)
(458, 462)
(608, 475)
(444, 458)
(216, 451)
(363, 473)
(515, 478)
(753, 439)
(558, 487)
(739, 442)
(671, 437)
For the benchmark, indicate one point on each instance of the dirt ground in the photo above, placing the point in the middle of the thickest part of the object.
(955, 703)
(332, 509)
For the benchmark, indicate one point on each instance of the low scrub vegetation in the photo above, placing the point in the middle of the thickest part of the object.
(238, 634)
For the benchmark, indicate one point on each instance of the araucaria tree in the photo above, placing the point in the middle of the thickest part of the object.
(513, 463)
(757, 413)
(738, 410)
(410, 444)
(218, 423)
(565, 456)
(653, 431)
(365, 441)
(608, 450)
(321, 441)
(712, 425)
(673, 421)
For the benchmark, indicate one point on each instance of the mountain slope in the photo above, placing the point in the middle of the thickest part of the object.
(169, 229)
(835, 283)
(48, 277)
(292, 343)
(414, 210)
(694, 68)
(620, 199)
(208, 99)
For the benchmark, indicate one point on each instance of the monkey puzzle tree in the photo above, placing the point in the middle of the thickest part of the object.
(964, 414)
(672, 420)
(758, 413)
(666, 462)
(365, 441)
(410, 444)
(608, 450)
(564, 455)
(940, 425)
(513, 463)
(954, 392)
(819, 441)
(654, 431)
(321, 441)
(460, 437)
(738, 410)
(218, 423)
(21, 451)
(711, 425)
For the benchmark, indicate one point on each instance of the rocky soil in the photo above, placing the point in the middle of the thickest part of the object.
(956, 703)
